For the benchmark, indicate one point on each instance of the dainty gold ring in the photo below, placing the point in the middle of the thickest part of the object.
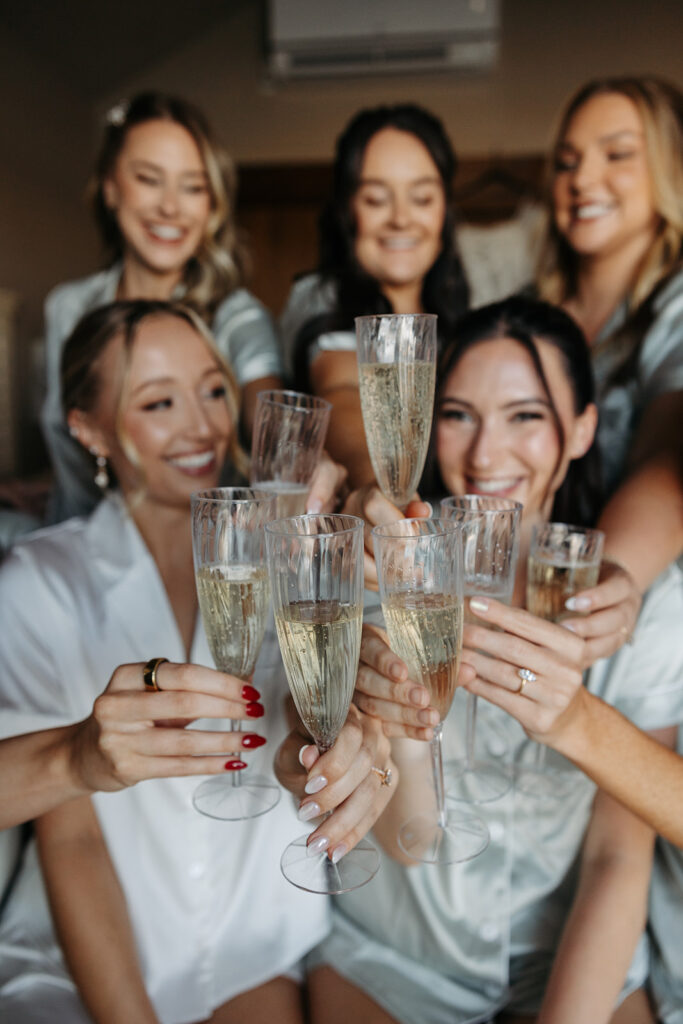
(385, 774)
(149, 674)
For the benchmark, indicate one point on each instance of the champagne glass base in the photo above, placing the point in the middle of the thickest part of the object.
(219, 798)
(481, 782)
(543, 783)
(460, 838)
(317, 873)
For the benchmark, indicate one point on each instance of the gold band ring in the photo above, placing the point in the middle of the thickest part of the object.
(149, 674)
(385, 774)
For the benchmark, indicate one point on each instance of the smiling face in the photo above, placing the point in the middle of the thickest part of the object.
(399, 210)
(158, 190)
(602, 189)
(170, 432)
(496, 434)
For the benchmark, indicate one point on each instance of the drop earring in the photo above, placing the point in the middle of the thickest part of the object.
(101, 476)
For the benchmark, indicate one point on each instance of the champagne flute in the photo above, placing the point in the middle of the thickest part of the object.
(419, 567)
(288, 437)
(397, 373)
(491, 546)
(316, 572)
(233, 592)
(563, 560)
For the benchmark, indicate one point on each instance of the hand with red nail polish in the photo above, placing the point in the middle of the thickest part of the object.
(235, 765)
(251, 740)
(255, 710)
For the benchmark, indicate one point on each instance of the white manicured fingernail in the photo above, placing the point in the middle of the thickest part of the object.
(314, 505)
(578, 604)
(568, 626)
(301, 754)
(309, 811)
(478, 604)
(318, 845)
(315, 784)
(339, 852)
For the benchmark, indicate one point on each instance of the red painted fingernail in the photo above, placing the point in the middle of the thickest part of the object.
(235, 765)
(255, 710)
(250, 693)
(252, 739)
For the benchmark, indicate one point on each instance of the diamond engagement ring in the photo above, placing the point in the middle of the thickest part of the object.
(526, 676)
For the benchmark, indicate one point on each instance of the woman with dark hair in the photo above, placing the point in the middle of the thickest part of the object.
(163, 195)
(522, 929)
(387, 244)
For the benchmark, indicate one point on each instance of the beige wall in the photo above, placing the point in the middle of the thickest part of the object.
(45, 147)
(548, 48)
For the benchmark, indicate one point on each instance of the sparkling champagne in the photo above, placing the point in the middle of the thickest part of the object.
(397, 401)
(233, 600)
(320, 644)
(551, 581)
(425, 630)
(291, 497)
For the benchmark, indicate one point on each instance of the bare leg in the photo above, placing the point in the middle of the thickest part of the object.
(278, 1000)
(334, 1000)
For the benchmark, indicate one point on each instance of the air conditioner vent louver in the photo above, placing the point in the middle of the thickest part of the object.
(324, 38)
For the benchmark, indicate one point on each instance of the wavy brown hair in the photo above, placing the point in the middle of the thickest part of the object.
(217, 268)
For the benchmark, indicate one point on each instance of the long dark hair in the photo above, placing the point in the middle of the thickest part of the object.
(444, 290)
(579, 498)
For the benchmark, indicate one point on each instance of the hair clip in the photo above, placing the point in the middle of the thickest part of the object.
(117, 114)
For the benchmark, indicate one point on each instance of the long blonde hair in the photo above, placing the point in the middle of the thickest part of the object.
(217, 268)
(660, 106)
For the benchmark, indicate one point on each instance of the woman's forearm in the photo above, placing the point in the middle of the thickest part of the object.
(635, 769)
(643, 521)
(90, 916)
(609, 913)
(37, 774)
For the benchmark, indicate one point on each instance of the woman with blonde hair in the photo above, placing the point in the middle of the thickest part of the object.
(163, 195)
(162, 914)
(613, 259)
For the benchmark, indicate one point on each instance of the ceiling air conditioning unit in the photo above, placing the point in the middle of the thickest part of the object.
(314, 38)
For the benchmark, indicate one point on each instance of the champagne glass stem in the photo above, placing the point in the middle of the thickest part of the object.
(470, 731)
(236, 777)
(436, 750)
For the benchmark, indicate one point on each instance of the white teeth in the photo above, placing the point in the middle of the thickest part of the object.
(193, 461)
(399, 243)
(166, 232)
(592, 210)
(491, 486)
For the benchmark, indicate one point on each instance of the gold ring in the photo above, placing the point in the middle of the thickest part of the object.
(385, 774)
(149, 674)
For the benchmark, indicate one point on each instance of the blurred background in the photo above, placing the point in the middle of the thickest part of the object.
(64, 63)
